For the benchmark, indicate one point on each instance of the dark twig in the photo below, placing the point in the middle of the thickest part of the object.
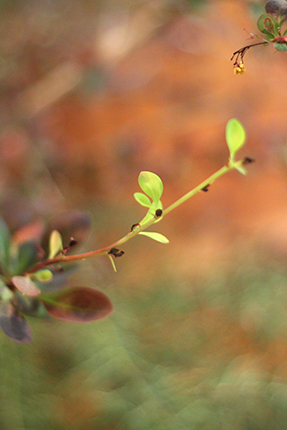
(238, 55)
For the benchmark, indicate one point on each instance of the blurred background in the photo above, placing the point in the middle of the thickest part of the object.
(91, 93)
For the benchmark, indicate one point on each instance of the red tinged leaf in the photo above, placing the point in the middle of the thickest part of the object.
(14, 324)
(29, 232)
(25, 285)
(78, 304)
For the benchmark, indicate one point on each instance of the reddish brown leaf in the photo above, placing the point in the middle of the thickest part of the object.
(79, 304)
(32, 231)
(25, 285)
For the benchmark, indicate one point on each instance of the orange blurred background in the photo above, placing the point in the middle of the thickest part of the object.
(92, 93)
(147, 87)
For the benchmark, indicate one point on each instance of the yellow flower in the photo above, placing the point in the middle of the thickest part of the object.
(239, 68)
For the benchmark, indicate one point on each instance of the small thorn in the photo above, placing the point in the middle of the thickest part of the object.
(205, 189)
(158, 213)
(73, 242)
(116, 252)
(248, 160)
(67, 248)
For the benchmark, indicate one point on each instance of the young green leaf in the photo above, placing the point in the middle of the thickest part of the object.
(155, 236)
(25, 285)
(56, 244)
(112, 262)
(142, 199)
(14, 324)
(5, 292)
(280, 47)
(151, 184)
(152, 212)
(44, 275)
(235, 136)
(5, 241)
(149, 215)
(27, 256)
(74, 224)
(79, 304)
(268, 26)
(241, 169)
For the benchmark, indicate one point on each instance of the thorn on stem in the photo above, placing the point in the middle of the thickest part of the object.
(248, 160)
(67, 248)
(72, 242)
(158, 213)
(205, 189)
(115, 252)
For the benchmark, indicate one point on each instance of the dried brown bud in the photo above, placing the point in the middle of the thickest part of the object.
(276, 8)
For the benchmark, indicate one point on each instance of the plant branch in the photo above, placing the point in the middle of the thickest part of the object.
(242, 51)
(59, 259)
(199, 188)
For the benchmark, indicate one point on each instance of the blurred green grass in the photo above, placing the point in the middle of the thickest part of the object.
(203, 355)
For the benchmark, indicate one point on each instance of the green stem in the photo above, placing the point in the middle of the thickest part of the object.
(67, 258)
(199, 188)
(90, 254)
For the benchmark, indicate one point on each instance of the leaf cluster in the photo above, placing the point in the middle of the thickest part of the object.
(25, 292)
(152, 188)
(270, 24)
(271, 27)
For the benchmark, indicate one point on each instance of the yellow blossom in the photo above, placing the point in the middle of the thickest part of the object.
(239, 68)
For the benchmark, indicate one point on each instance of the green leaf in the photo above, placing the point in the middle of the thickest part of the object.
(79, 304)
(267, 25)
(74, 224)
(44, 275)
(235, 136)
(25, 285)
(27, 257)
(112, 263)
(29, 305)
(151, 212)
(14, 324)
(241, 169)
(151, 184)
(149, 215)
(5, 292)
(5, 241)
(142, 199)
(56, 244)
(155, 236)
(280, 47)
(268, 36)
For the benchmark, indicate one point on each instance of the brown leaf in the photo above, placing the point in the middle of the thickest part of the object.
(79, 304)
(25, 285)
